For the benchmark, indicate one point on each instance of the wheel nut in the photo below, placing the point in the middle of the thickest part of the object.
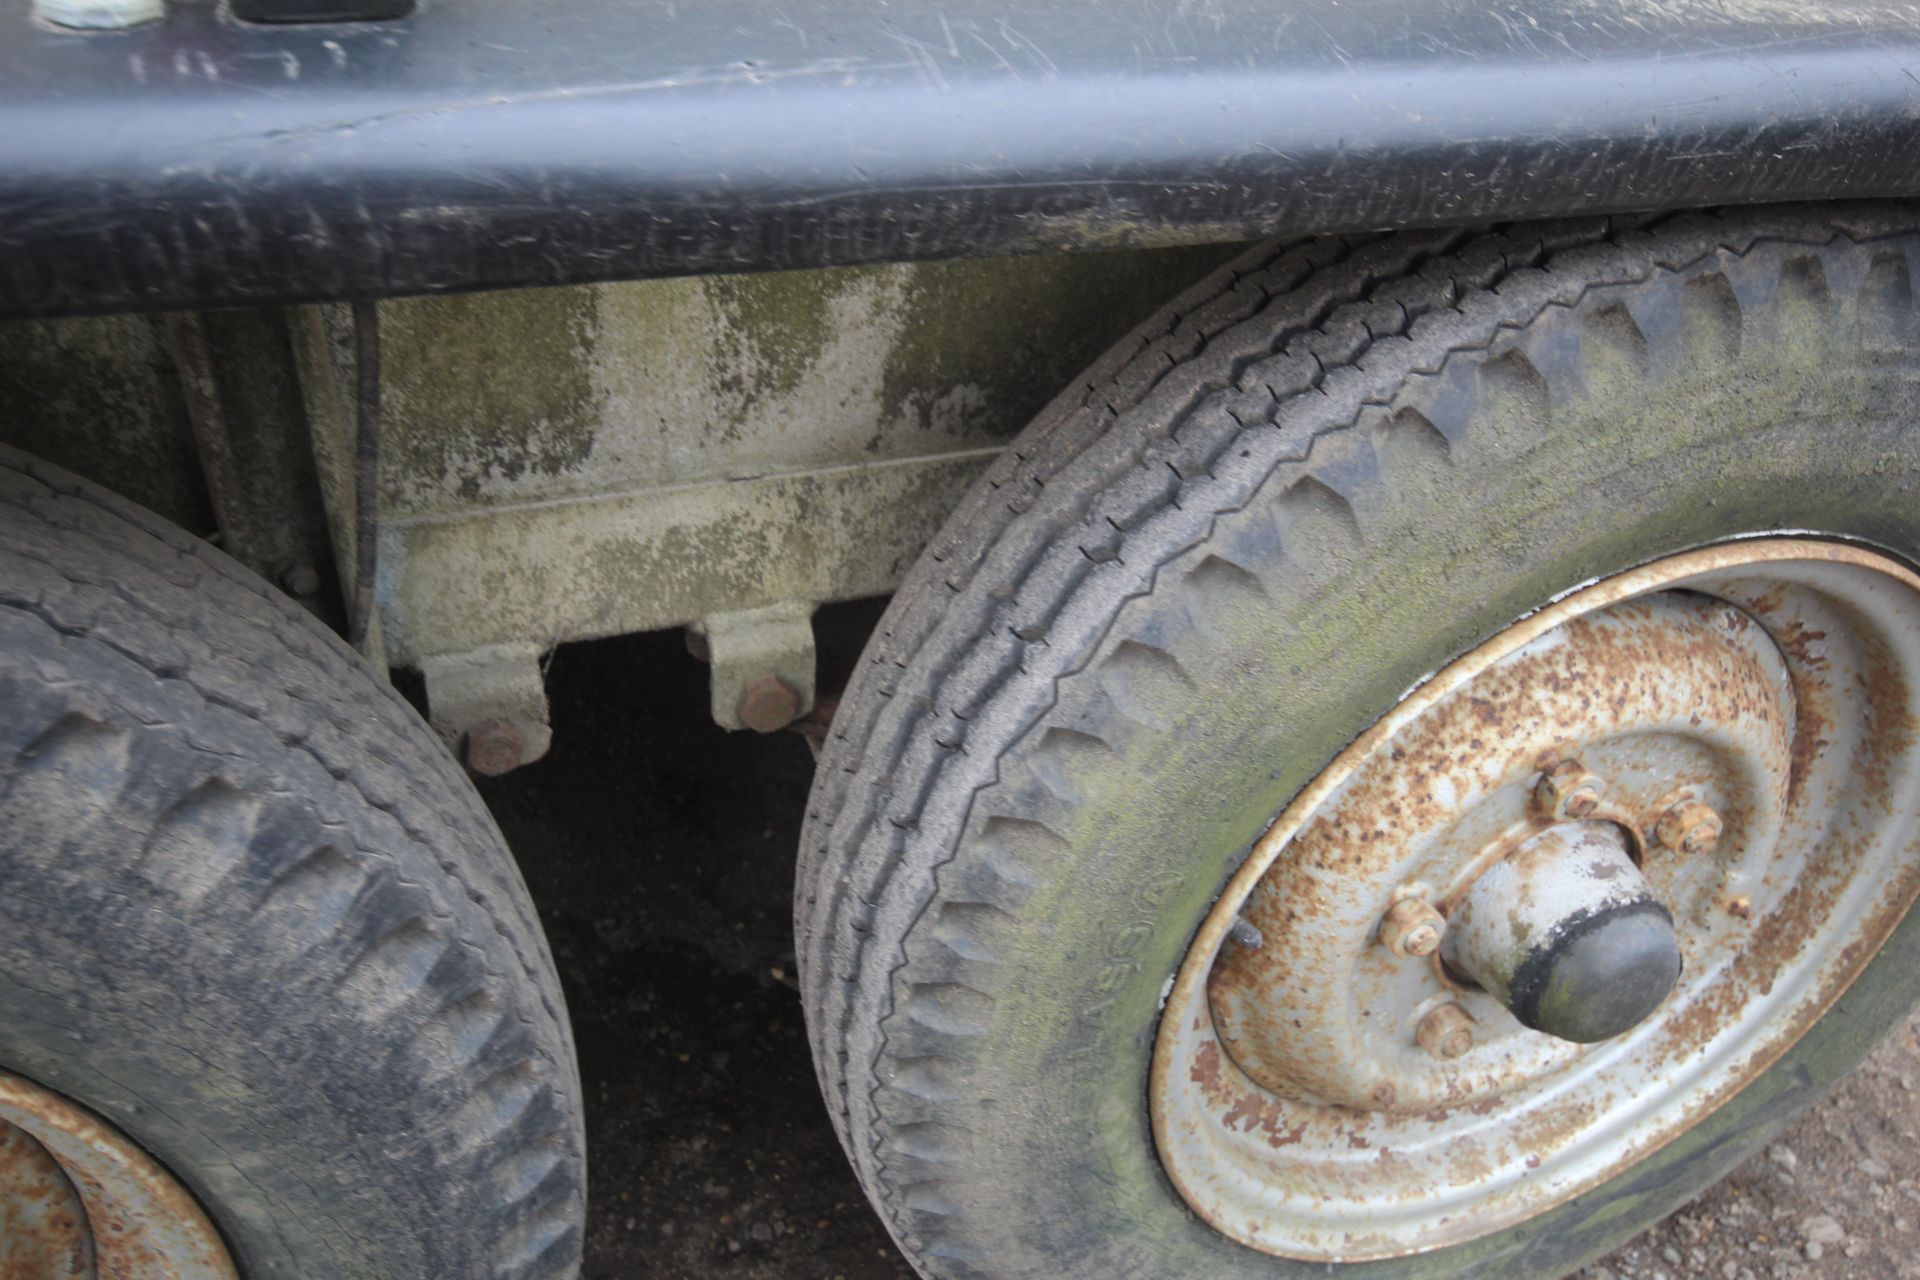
(1412, 928)
(1690, 827)
(1446, 1031)
(1568, 791)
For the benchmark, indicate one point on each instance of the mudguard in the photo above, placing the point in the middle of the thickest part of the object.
(202, 160)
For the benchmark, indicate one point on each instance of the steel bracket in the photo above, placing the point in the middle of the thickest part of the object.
(763, 665)
(491, 705)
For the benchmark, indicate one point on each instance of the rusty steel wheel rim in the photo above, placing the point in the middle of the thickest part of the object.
(78, 1201)
(1564, 900)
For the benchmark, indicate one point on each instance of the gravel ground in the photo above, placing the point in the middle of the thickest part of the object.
(660, 851)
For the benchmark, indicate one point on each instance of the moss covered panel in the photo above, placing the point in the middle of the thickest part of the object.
(486, 393)
(553, 393)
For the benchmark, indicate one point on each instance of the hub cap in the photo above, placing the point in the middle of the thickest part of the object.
(78, 1201)
(1562, 902)
(1567, 934)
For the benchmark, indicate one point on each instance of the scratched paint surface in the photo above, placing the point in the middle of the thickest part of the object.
(494, 143)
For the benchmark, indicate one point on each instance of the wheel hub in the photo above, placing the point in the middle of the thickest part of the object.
(79, 1201)
(1566, 933)
(1625, 841)
(1471, 811)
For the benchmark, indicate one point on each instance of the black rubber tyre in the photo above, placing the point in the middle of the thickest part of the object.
(1316, 477)
(252, 912)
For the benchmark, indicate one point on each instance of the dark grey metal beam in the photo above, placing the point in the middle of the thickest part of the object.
(481, 143)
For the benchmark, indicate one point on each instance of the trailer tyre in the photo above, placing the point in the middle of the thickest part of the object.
(1234, 562)
(272, 993)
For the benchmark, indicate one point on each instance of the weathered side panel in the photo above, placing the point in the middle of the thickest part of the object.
(555, 393)
(565, 463)
(568, 463)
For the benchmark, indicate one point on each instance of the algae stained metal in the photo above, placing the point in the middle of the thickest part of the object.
(571, 463)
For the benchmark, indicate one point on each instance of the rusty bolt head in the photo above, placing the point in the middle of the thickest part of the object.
(495, 747)
(1446, 1031)
(301, 580)
(1412, 928)
(1568, 790)
(1690, 827)
(769, 704)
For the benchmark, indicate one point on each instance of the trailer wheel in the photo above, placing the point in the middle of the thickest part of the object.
(273, 1000)
(1408, 768)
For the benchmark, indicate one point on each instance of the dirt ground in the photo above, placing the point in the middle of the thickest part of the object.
(660, 851)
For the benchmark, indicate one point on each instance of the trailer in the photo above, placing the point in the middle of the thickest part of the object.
(1392, 751)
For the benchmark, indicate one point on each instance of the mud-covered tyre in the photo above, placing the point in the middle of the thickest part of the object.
(253, 917)
(1312, 481)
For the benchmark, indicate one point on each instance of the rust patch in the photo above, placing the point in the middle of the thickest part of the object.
(101, 1197)
(1666, 666)
(43, 1225)
(1782, 704)
(1206, 1067)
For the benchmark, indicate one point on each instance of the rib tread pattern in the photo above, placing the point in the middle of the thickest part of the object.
(1011, 655)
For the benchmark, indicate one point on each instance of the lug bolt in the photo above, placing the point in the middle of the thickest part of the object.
(1568, 791)
(1690, 827)
(1412, 928)
(1446, 1031)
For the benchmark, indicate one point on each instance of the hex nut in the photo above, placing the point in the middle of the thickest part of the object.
(301, 580)
(1569, 790)
(769, 704)
(1412, 928)
(1446, 1032)
(1689, 827)
(495, 747)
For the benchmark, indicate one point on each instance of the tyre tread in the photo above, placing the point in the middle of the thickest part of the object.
(366, 867)
(1136, 465)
